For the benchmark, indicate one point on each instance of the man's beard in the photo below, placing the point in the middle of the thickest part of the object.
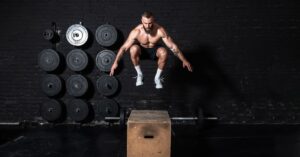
(148, 31)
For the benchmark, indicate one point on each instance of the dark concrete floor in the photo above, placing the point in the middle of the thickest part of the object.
(187, 141)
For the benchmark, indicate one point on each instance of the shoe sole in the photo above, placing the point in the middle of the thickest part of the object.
(158, 87)
(139, 84)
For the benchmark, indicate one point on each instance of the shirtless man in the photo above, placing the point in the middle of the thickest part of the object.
(143, 40)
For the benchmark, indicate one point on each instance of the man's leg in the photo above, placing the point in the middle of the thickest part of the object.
(162, 55)
(135, 52)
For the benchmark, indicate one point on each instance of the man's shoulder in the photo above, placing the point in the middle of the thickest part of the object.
(135, 31)
(137, 28)
(161, 30)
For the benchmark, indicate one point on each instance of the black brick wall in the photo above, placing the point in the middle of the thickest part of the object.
(245, 56)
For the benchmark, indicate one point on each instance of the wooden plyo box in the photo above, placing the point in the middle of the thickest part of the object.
(149, 134)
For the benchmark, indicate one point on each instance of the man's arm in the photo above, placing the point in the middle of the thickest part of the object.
(128, 43)
(174, 48)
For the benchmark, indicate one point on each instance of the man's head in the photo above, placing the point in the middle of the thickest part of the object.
(147, 21)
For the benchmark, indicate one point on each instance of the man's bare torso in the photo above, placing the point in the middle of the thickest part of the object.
(148, 40)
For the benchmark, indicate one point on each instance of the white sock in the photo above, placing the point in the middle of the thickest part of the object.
(138, 70)
(158, 73)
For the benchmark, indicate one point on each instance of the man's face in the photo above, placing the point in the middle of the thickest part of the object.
(147, 24)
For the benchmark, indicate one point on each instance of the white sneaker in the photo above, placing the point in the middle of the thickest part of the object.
(158, 84)
(139, 80)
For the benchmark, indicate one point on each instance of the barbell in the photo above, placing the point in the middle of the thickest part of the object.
(172, 118)
(199, 120)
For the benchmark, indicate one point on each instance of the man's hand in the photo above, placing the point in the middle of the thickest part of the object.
(188, 65)
(113, 68)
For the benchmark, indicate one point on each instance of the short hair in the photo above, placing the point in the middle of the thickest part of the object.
(147, 14)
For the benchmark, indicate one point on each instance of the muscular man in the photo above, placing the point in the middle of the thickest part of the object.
(143, 41)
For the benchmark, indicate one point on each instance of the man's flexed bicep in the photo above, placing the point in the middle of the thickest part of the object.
(171, 44)
(130, 40)
(174, 48)
(128, 43)
(168, 41)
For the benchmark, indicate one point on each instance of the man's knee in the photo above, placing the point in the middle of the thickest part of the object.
(162, 52)
(135, 50)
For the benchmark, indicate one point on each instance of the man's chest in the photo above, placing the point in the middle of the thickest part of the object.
(147, 38)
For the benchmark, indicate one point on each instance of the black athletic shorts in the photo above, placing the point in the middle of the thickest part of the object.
(149, 53)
